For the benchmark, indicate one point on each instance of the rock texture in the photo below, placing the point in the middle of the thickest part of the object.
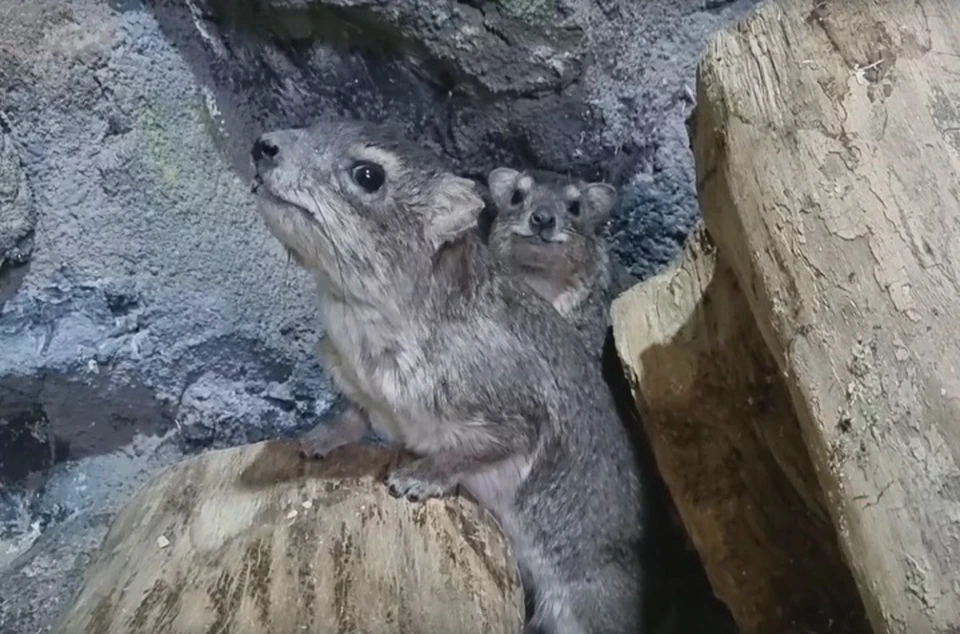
(827, 149)
(18, 216)
(148, 313)
(727, 442)
(253, 540)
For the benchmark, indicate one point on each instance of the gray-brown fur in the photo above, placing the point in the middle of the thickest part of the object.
(471, 370)
(550, 234)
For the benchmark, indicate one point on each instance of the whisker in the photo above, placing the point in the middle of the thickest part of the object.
(336, 253)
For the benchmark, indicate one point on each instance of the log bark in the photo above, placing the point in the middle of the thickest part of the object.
(253, 540)
(827, 145)
(722, 430)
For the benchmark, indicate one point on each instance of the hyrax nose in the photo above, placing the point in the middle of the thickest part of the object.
(542, 220)
(264, 149)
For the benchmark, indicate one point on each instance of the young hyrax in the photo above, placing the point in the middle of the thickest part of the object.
(470, 370)
(550, 234)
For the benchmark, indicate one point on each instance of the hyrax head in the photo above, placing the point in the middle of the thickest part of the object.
(547, 225)
(359, 206)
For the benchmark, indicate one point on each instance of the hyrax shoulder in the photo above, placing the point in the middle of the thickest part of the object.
(551, 234)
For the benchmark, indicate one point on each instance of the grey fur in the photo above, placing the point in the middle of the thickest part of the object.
(567, 262)
(471, 370)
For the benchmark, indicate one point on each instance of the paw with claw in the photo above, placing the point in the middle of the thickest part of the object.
(416, 484)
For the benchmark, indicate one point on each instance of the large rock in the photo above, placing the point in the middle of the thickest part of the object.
(487, 47)
(18, 216)
(253, 540)
(726, 440)
(827, 142)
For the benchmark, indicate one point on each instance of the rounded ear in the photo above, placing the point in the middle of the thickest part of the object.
(600, 199)
(501, 182)
(454, 210)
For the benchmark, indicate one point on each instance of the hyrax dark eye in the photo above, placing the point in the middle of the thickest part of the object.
(517, 197)
(574, 207)
(369, 176)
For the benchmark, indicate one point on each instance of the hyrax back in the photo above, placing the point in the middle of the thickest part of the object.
(468, 368)
(550, 234)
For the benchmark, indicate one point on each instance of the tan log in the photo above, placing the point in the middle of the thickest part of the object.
(827, 145)
(728, 445)
(253, 540)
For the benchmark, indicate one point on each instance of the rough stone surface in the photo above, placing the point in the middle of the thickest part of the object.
(18, 217)
(152, 315)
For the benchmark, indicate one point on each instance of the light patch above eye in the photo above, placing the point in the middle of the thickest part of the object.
(525, 184)
(390, 162)
(571, 193)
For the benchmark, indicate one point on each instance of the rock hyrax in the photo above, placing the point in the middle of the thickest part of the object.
(550, 234)
(470, 370)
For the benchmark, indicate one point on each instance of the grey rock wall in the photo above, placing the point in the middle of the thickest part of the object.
(144, 310)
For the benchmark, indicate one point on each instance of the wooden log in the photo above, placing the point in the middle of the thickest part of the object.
(728, 445)
(253, 540)
(827, 145)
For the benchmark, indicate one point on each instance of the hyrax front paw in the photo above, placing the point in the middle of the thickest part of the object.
(415, 484)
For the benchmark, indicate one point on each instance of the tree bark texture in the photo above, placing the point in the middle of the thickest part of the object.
(254, 540)
(827, 145)
(726, 440)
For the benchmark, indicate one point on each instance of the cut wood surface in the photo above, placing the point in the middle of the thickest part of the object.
(827, 145)
(253, 540)
(726, 440)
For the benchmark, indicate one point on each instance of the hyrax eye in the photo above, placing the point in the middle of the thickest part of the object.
(517, 197)
(368, 176)
(574, 207)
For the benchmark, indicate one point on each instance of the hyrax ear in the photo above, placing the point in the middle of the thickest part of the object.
(455, 210)
(501, 182)
(600, 199)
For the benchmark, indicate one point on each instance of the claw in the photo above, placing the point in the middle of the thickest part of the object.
(309, 454)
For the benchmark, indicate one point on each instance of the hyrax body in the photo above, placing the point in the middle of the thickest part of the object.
(472, 371)
(550, 234)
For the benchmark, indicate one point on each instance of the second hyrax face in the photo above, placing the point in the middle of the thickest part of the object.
(357, 205)
(552, 227)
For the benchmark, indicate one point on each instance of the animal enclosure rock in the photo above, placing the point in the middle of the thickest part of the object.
(500, 47)
(18, 217)
(253, 540)
(726, 440)
(827, 146)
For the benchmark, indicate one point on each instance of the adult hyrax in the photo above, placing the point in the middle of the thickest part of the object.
(550, 234)
(472, 371)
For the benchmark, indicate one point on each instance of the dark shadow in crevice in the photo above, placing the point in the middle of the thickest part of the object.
(677, 589)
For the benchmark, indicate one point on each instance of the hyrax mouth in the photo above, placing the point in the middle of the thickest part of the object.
(538, 239)
(282, 215)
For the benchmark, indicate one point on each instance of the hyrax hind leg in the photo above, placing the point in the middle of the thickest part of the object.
(609, 603)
